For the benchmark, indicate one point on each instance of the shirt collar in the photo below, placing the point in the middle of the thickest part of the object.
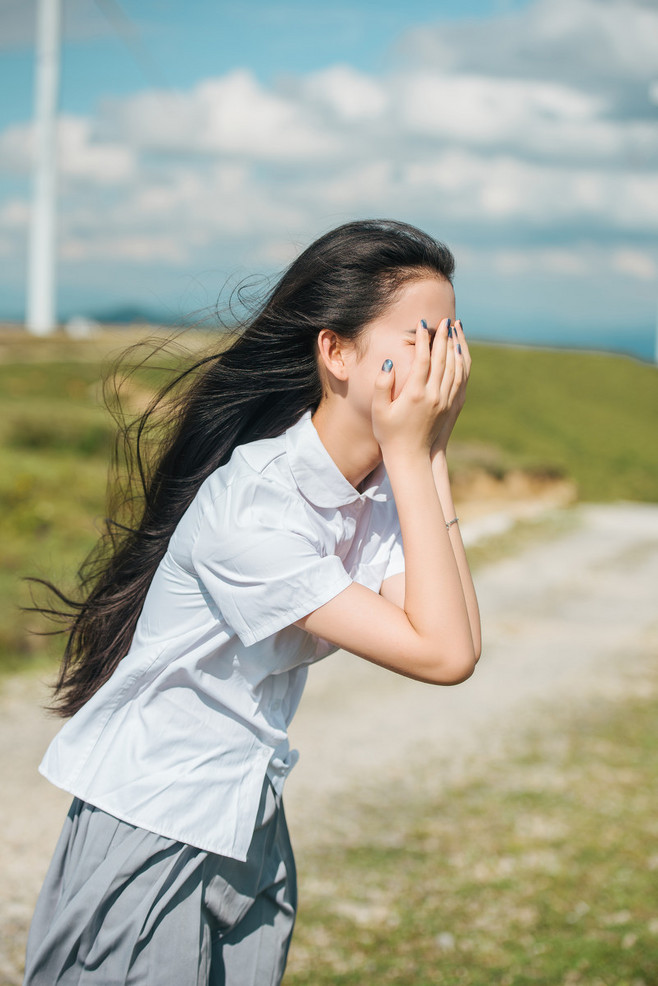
(317, 475)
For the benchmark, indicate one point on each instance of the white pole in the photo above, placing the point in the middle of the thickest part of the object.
(41, 315)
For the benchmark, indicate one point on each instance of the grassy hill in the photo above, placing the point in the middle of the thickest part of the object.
(588, 417)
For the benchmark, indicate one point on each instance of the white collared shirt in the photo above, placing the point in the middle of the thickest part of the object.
(180, 738)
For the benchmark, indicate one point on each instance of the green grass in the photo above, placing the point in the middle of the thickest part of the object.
(544, 872)
(55, 442)
(591, 417)
(587, 417)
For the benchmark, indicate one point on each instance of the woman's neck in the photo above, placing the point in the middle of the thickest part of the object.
(348, 439)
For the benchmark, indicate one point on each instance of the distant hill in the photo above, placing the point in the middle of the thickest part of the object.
(133, 314)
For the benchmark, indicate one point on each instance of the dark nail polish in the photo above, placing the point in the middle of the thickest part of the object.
(461, 324)
(423, 323)
(449, 331)
(387, 365)
(459, 349)
(448, 325)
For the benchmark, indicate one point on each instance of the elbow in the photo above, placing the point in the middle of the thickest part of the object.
(455, 667)
(455, 675)
(461, 674)
(463, 661)
(454, 664)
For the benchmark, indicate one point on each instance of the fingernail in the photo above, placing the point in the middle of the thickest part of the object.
(461, 324)
(449, 331)
(448, 325)
(387, 365)
(423, 323)
(459, 349)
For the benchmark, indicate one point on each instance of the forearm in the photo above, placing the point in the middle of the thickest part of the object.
(442, 484)
(434, 602)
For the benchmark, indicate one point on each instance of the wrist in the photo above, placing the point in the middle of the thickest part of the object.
(439, 461)
(441, 478)
(405, 457)
(409, 472)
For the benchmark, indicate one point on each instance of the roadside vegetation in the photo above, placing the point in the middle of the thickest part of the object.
(540, 872)
(587, 418)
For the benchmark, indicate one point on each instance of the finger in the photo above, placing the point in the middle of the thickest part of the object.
(448, 378)
(422, 355)
(439, 354)
(458, 380)
(384, 382)
(463, 349)
(457, 337)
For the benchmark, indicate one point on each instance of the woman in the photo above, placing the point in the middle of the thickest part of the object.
(303, 460)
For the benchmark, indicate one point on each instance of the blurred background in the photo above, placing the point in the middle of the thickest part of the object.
(203, 141)
(500, 832)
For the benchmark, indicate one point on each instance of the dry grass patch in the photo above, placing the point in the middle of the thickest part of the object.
(543, 872)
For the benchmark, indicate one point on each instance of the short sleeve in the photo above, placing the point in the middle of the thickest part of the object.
(261, 559)
(396, 556)
(389, 557)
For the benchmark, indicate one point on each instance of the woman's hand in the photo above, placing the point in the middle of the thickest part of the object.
(428, 628)
(461, 353)
(423, 413)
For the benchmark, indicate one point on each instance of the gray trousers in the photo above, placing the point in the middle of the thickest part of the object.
(122, 906)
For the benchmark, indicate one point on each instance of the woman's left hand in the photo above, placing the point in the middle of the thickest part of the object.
(458, 398)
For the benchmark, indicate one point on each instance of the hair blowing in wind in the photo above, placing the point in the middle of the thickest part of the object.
(255, 388)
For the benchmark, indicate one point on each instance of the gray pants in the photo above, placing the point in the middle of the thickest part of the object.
(121, 905)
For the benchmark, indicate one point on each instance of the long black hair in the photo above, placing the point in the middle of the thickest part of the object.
(255, 388)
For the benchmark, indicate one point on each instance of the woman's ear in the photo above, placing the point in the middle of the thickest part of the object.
(333, 353)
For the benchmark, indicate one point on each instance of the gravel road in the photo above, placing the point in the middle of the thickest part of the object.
(564, 620)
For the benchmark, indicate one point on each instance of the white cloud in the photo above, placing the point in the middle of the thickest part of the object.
(80, 156)
(590, 43)
(129, 248)
(16, 148)
(83, 157)
(563, 262)
(638, 264)
(482, 109)
(358, 186)
(232, 114)
(349, 95)
(531, 117)
(224, 199)
(581, 260)
(174, 221)
(511, 189)
(278, 253)
(493, 128)
(14, 214)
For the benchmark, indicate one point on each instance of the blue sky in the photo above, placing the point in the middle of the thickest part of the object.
(205, 141)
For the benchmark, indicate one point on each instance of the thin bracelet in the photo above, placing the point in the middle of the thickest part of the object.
(455, 520)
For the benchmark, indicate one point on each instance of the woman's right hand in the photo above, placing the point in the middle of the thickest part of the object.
(410, 424)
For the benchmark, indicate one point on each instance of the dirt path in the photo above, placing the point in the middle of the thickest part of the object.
(565, 621)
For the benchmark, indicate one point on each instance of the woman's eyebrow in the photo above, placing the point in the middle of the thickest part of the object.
(412, 332)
